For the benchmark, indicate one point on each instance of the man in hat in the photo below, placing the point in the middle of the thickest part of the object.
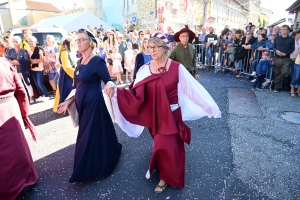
(184, 52)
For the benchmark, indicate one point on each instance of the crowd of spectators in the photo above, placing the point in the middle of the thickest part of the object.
(238, 50)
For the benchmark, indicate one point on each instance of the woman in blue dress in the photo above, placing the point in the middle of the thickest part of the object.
(97, 147)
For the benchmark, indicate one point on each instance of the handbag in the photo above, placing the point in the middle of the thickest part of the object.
(231, 50)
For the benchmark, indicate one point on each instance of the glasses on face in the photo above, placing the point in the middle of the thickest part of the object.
(79, 41)
(111, 34)
(273, 34)
(154, 48)
(142, 34)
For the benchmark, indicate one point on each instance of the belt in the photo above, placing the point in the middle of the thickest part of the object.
(6, 99)
(174, 106)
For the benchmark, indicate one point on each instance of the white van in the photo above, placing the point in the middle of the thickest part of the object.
(41, 33)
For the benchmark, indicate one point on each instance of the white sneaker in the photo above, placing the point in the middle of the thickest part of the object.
(253, 73)
(46, 99)
(31, 101)
(40, 99)
(252, 81)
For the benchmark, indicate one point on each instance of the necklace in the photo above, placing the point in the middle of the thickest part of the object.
(162, 69)
(79, 67)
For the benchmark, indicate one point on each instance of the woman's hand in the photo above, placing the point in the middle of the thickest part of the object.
(109, 89)
(62, 108)
(57, 65)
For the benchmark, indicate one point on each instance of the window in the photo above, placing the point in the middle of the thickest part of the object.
(57, 37)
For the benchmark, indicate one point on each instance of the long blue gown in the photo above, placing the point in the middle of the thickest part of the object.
(97, 147)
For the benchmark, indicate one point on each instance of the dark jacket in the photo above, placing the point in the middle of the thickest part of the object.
(258, 53)
(263, 66)
(285, 45)
(139, 61)
(244, 53)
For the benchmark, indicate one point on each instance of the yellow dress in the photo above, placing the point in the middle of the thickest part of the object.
(66, 77)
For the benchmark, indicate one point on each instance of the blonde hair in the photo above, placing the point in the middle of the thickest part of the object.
(52, 39)
(142, 48)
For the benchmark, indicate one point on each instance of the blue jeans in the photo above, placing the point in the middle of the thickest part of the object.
(254, 65)
(259, 80)
(38, 78)
(240, 65)
(296, 75)
(55, 79)
(209, 54)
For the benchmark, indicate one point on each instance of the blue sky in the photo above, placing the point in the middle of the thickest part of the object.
(278, 7)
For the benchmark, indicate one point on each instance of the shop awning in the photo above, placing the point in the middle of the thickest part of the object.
(295, 7)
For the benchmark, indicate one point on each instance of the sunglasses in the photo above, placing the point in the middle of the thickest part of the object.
(273, 35)
(111, 34)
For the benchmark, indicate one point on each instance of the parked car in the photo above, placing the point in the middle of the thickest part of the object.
(41, 33)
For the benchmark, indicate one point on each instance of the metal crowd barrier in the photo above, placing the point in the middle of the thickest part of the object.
(221, 62)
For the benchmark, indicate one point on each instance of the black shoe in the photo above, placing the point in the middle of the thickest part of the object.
(272, 85)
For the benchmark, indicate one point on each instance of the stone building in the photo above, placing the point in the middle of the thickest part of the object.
(266, 14)
(294, 9)
(177, 13)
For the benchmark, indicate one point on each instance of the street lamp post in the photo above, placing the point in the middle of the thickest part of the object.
(75, 4)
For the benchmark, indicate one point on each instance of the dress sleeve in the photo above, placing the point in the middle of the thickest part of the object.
(194, 100)
(102, 71)
(137, 64)
(20, 95)
(66, 64)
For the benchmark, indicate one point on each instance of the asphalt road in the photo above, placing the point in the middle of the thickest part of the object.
(223, 161)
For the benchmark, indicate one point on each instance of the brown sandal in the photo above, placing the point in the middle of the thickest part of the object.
(162, 187)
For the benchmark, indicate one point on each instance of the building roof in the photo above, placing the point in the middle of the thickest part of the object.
(41, 6)
(295, 7)
(46, 14)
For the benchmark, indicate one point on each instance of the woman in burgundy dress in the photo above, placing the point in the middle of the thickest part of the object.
(161, 97)
(16, 165)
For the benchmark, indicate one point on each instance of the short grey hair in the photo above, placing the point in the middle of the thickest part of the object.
(159, 42)
(33, 38)
(17, 38)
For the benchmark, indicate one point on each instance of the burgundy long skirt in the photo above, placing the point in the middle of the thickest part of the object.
(17, 169)
(168, 156)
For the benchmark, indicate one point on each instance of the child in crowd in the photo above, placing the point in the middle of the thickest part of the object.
(101, 51)
(135, 45)
(129, 59)
(117, 66)
(262, 68)
(224, 53)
